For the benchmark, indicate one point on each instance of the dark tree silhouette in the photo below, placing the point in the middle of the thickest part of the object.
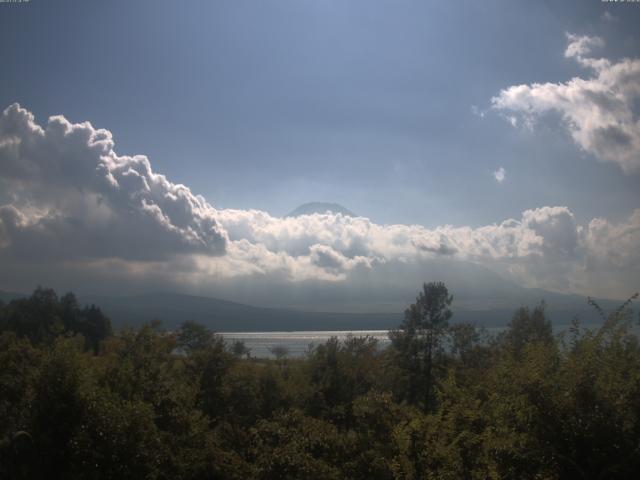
(527, 327)
(43, 316)
(194, 336)
(279, 351)
(418, 341)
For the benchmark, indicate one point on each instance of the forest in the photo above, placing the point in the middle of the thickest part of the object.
(444, 401)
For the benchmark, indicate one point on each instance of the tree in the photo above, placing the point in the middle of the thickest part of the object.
(239, 349)
(418, 342)
(36, 317)
(279, 351)
(340, 372)
(528, 327)
(95, 327)
(43, 316)
(194, 336)
(468, 348)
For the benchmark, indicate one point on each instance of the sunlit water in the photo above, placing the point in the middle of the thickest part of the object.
(297, 344)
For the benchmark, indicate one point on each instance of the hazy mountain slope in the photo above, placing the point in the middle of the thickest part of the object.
(222, 315)
(489, 304)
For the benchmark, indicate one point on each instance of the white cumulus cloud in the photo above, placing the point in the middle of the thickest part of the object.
(500, 174)
(599, 110)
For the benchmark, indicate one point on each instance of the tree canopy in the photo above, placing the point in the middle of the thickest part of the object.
(443, 401)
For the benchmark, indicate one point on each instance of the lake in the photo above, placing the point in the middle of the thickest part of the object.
(298, 343)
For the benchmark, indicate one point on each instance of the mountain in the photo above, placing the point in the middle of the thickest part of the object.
(222, 315)
(320, 207)
(6, 297)
(486, 308)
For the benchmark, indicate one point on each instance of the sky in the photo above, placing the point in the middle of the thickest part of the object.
(157, 145)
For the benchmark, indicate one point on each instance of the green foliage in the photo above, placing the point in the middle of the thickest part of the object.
(443, 402)
(43, 317)
(293, 446)
(239, 349)
(194, 336)
(417, 344)
(20, 365)
(527, 327)
(339, 373)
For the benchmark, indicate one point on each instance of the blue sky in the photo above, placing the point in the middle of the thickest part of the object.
(382, 106)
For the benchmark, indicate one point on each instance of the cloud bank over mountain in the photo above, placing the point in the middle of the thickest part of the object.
(600, 111)
(71, 205)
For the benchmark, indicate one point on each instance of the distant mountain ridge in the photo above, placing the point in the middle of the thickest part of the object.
(6, 297)
(320, 207)
(227, 316)
(223, 315)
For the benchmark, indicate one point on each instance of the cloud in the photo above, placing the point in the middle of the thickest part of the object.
(475, 110)
(600, 111)
(614, 246)
(545, 247)
(71, 195)
(500, 174)
(581, 45)
(70, 206)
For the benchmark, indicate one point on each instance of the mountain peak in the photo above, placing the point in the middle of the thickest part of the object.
(320, 207)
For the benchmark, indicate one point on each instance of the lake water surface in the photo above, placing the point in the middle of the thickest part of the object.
(299, 343)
